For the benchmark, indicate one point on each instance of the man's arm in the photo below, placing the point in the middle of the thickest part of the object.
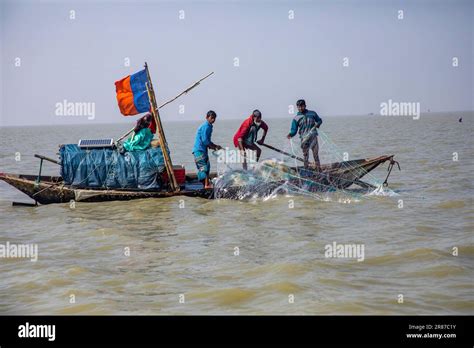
(213, 146)
(319, 120)
(208, 141)
(264, 126)
(137, 138)
(241, 144)
(242, 133)
(205, 135)
(293, 130)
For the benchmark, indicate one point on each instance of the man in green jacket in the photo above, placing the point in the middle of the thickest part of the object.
(306, 124)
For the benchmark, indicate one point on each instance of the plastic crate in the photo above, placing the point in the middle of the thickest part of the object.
(179, 173)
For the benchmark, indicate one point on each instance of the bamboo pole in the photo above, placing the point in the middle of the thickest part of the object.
(161, 134)
(187, 89)
(172, 99)
(283, 152)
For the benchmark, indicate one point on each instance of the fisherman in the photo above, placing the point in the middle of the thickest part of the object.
(142, 134)
(201, 144)
(306, 123)
(246, 136)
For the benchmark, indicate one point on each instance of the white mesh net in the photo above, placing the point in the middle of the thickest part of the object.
(339, 179)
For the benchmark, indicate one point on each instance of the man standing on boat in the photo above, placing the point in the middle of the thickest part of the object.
(246, 136)
(201, 144)
(306, 123)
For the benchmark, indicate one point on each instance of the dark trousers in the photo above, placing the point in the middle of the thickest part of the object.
(306, 146)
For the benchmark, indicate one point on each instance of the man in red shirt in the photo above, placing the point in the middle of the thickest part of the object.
(246, 136)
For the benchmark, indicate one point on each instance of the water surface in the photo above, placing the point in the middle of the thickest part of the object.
(190, 249)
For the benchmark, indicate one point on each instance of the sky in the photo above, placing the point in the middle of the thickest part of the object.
(285, 50)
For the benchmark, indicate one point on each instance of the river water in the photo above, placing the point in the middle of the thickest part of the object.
(167, 256)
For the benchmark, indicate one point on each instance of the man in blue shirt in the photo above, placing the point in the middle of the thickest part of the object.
(201, 144)
(306, 123)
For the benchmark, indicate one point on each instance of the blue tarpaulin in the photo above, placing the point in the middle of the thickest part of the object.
(108, 168)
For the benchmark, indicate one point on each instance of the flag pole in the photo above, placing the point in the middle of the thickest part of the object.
(171, 100)
(161, 134)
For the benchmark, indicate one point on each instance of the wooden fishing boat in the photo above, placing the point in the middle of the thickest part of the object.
(342, 175)
(51, 189)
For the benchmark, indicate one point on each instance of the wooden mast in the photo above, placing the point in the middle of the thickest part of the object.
(161, 134)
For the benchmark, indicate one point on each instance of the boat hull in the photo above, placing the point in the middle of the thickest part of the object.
(50, 189)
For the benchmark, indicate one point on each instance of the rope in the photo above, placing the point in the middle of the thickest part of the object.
(47, 188)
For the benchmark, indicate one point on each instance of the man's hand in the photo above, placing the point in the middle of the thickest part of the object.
(215, 147)
(288, 136)
(260, 142)
(241, 145)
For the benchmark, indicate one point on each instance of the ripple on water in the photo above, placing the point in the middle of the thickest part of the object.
(285, 287)
(440, 271)
(452, 204)
(466, 250)
(58, 282)
(86, 308)
(415, 255)
(341, 283)
(425, 228)
(74, 271)
(289, 269)
(225, 297)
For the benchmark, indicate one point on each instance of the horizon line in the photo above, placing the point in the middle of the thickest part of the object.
(225, 119)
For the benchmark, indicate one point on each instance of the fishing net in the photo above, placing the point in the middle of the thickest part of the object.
(338, 179)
